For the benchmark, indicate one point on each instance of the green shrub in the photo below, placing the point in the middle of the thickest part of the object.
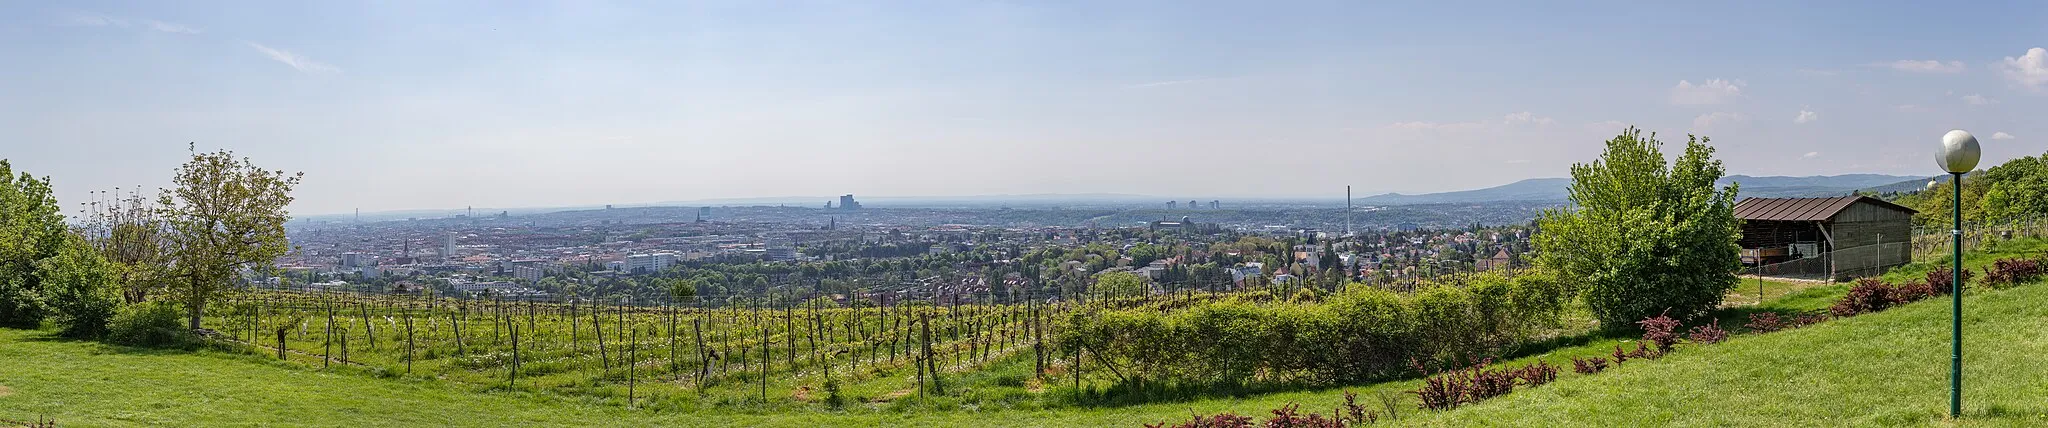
(1362, 333)
(151, 324)
(1644, 236)
(79, 289)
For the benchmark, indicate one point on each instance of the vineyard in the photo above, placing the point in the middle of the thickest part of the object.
(668, 354)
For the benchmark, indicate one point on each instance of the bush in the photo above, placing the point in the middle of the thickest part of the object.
(1661, 330)
(2011, 272)
(1868, 295)
(151, 324)
(1361, 333)
(1536, 374)
(1707, 334)
(1223, 420)
(1644, 236)
(1943, 279)
(1765, 322)
(80, 290)
(1589, 365)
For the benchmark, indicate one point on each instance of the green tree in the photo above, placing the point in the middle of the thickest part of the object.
(80, 286)
(224, 215)
(682, 289)
(2018, 189)
(30, 230)
(1644, 236)
(1119, 284)
(128, 232)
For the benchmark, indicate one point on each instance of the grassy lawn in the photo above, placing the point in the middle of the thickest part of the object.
(1889, 368)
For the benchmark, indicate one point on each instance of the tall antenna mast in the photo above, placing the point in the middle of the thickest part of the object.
(1347, 211)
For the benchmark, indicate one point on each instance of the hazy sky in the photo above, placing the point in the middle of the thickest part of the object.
(411, 104)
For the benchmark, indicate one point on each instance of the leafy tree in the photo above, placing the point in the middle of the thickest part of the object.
(682, 289)
(2018, 189)
(225, 215)
(81, 289)
(30, 230)
(1643, 236)
(1119, 284)
(128, 232)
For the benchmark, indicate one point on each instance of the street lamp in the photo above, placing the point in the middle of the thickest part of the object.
(1959, 154)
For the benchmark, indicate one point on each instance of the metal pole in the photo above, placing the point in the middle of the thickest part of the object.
(1955, 369)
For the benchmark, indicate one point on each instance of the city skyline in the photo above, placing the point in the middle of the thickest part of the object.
(397, 107)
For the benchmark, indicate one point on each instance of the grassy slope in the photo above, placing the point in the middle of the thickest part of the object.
(1889, 368)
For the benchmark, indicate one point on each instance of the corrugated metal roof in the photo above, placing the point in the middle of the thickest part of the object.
(1803, 209)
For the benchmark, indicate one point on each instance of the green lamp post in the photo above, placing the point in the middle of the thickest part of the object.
(1959, 154)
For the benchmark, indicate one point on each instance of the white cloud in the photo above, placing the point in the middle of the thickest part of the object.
(1714, 91)
(1810, 155)
(1526, 117)
(1927, 66)
(296, 61)
(1806, 116)
(2001, 136)
(1718, 118)
(169, 27)
(2030, 70)
(1978, 100)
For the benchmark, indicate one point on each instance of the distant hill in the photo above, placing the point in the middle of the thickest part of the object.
(1908, 186)
(1554, 189)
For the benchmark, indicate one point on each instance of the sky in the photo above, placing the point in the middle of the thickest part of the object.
(392, 105)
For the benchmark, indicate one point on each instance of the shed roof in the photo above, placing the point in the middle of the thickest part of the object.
(1804, 209)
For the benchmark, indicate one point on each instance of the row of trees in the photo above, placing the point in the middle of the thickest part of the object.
(2015, 190)
(223, 217)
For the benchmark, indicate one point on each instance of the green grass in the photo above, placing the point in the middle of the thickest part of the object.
(1885, 369)
(1889, 368)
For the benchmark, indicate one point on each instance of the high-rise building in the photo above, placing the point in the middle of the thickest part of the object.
(448, 248)
(703, 214)
(846, 202)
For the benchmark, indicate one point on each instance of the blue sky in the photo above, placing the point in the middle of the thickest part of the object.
(400, 105)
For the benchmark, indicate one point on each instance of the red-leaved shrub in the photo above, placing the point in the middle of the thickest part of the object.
(1488, 383)
(1765, 322)
(1661, 330)
(1809, 319)
(1912, 292)
(1442, 392)
(1943, 280)
(1645, 352)
(1286, 417)
(1707, 334)
(2010, 272)
(1355, 413)
(1537, 374)
(1588, 365)
(1221, 420)
(1868, 295)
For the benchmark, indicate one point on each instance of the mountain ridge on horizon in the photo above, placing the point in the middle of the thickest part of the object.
(1555, 189)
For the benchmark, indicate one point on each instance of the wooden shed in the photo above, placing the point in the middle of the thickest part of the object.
(1836, 238)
